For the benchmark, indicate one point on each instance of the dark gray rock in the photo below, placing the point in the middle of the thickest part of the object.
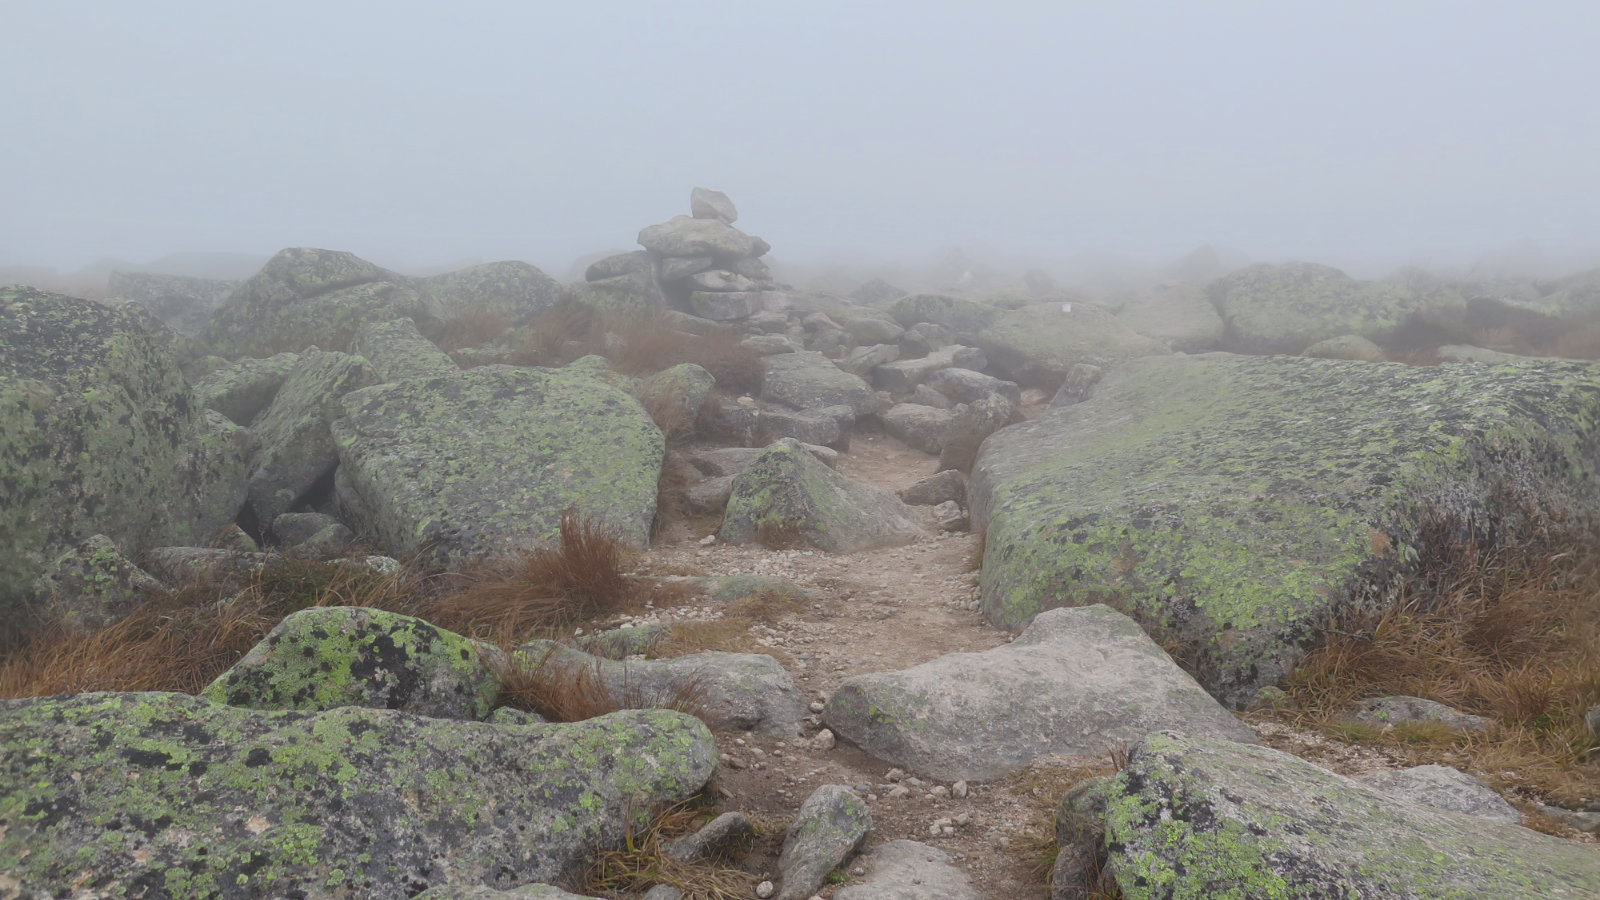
(829, 426)
(1080, 838)
(295, 448)
(967, 386)
(971, 426)
(1077, 385)
(920, 427)
(862, 360)
(948, 484)
(904, 375)
(810, 380)
(922, 395)
(724, 834)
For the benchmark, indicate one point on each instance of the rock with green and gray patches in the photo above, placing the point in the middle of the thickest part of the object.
(1036, 345)
(971, 425)
(169, 795)
(94, 585)
(1080, 838)
(292, 529)
(831, 825)
(1194, 817)
(959, 316)
(1345, 346)
(916, 426)
(1286, 308)
(479, 892)
(686, 236)
(908, 870)
(397, 351)
(786, 490)
(903, 375)
(1179, 314)
(619, 264)
(1237, 503)
(867, 326)
(245, 389)
(304, 297)
(181, 301)
(485, 460)
(621, 643)
(829, 426)
(1466, 353)
(598, 368)
(511, 289)
(677, 393)
(294, 445)
(738, 691)
(99, 435)
(1442, 787)
(807, 380)
(326, 657)
(1082, 682)
(635, 291)
(1386, 712)
(1576, 297)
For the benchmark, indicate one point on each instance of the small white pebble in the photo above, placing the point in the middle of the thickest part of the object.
(959, 790)
(858, 871)
(765, 889)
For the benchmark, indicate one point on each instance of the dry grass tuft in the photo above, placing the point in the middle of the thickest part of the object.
(469, 328)
(652, 348)
(731, 632)
(1042, 785)
(1509, 633)
(780, 534)
(572, 692)
(643, 862)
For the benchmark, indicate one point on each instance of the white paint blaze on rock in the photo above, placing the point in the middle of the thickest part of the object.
(1078, 681)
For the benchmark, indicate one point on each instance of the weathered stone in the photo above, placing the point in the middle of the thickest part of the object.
(732, 460)
(674, 397)
(304, 297)
(733, 305)
(174, 796)
(486, 460)
(1196, 817)
(919, 427)
(810, 380)
(949, 516)
(787, 491)
(908, 870)
(829, 426)
(876, 293)
(902, 376)
(870, 328)
(638, 291)
(1178, 314)
(739, 691)
(99, 435)
(1345, 346)
(959, 316)
(970, 427)
(1084, 681)
(398, 351)
(1080, 838)
(862, 360)
(924, 338)
(313, 533)
(479, 892)
(721, 280)
(294, 445)
(181, 301)
(94, 585)
(327, 657)
(511, 289)
(1236, 504)
(674, 269)
(685, 236)
(1388, 711)
(1286, 308)
(922, 395)
(1078, 385)
(1442, 787)
(967, 386)
(830, 825)
(723, 834)
(937, 488)
(245, 389)
(705, 203)
(768, 322)
(180, 565)
(1466, 353)
(636, 262)
(624, 641)
(768, 344)
(1036, 345)
(757, 270)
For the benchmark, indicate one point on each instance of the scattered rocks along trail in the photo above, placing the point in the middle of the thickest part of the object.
(874, 611)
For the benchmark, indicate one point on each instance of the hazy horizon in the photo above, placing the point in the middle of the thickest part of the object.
(1372, 135)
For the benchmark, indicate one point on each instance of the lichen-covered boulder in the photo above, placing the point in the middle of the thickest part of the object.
(304, 297)
(1177, 313)
(963, 317)
(1345, 346)
(326, 657)
(1442, 787)
(674, 396)
(94, 585)
(1037, 345)
(1286, 308)
(1195, 817)
(511, 289)
(686, 236)
(99, 435)
(1237, 503)
(397, 351)
(181, 301)
(1084, 682)
(168, 795)
(808, 380)
(485, 460)
(738, 691)
(294, 444)
(832, 824)
(786, 493)
(245, 389)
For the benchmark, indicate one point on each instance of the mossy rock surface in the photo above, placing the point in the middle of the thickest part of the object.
(1192, 817)
(168, 795)
(181, 301)
(1286, 308)
(327, 657)
(245, 389)
(485, 460)
(1036, 345)
(305, 296)
(1179, 314)
(100, 435)
(1234, 503)
(786, 492)
(514, 290)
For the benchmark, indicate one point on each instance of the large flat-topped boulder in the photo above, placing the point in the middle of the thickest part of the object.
(686, 236)
(1194, 817)
(485, 460)
(1037, 345)
(99, 435)
(808, 380)
(169, 795)
(305, 296)
(1286, 308)
(1238, 502)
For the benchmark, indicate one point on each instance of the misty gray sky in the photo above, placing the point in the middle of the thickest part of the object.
(430, 132)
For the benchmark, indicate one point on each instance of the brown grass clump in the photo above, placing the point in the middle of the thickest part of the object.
(1041, 786)
(731, 632)
(647, 350)
(1511, 633)
(582, 577)
(472, 327)
(780, 534)
(643, 862)
(571, 692)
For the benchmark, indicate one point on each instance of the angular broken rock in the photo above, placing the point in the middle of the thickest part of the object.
(705, 203)
(1082, 681)
(831, 824)
(785, 493)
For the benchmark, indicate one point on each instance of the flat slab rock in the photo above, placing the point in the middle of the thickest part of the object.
(1082, 681)
(170, 795)
(1194, 817)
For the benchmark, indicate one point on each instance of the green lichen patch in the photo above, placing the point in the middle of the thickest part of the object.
(1192, 817)
(166, 795)
(1234, 504)
(332, 656)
